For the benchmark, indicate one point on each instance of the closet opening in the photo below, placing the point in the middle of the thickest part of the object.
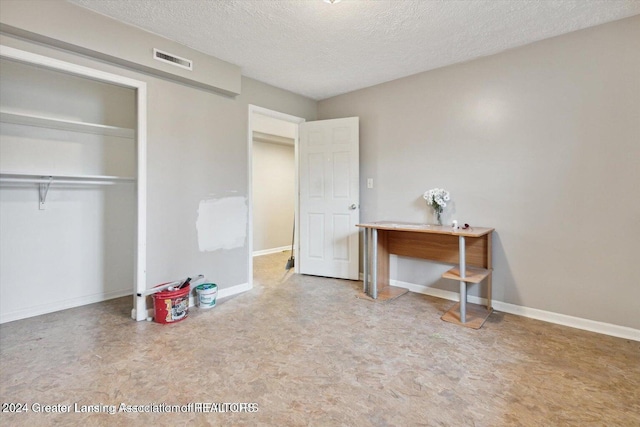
(72, 186)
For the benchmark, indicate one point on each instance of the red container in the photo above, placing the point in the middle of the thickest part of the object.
(171, 306)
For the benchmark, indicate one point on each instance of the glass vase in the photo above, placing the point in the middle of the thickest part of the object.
(438, 217)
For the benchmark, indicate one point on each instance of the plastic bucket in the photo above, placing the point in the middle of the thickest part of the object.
(171, 306)
(207, 294)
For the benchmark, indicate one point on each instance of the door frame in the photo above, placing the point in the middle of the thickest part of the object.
(287, 118)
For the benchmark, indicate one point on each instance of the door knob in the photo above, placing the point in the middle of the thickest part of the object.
(353, 207)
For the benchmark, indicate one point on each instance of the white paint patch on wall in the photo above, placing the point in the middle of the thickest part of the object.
(222, 223)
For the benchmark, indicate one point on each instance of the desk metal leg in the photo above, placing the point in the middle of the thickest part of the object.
(463, 284)
(365, 262)
(374, 263)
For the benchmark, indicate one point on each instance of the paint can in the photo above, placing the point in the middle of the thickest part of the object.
(207, 294)
(171, 306)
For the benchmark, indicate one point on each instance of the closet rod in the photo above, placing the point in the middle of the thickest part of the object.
(45, 182)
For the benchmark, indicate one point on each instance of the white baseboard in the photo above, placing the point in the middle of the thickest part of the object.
(533, 313)
(51, 307)
(271, 251)
(234, 290)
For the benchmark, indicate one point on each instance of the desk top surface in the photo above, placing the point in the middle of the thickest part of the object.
(427, 228)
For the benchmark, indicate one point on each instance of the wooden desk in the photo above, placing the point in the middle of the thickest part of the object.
(469, 250)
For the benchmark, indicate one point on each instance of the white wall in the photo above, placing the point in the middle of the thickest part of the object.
(273, 195)
(541, 142)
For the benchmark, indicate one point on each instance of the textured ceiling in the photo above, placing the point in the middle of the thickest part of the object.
(321, 50)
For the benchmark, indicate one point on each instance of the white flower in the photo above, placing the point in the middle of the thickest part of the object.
(437, 198)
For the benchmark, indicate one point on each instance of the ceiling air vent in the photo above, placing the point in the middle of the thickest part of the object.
(172, 59)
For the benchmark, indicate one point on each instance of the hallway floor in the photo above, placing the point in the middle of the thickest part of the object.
(304, 351)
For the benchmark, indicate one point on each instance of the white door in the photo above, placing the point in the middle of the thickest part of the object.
(329, 198)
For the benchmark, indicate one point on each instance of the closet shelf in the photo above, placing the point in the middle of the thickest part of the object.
(70, 125)
(29, 178)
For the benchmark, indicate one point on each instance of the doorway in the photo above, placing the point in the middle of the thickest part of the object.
(273, 186)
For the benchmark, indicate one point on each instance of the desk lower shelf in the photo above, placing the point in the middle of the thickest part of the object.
(472, 274)
(476, 315)
(387, 293)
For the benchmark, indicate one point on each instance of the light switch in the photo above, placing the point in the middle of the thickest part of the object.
(369, 182)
